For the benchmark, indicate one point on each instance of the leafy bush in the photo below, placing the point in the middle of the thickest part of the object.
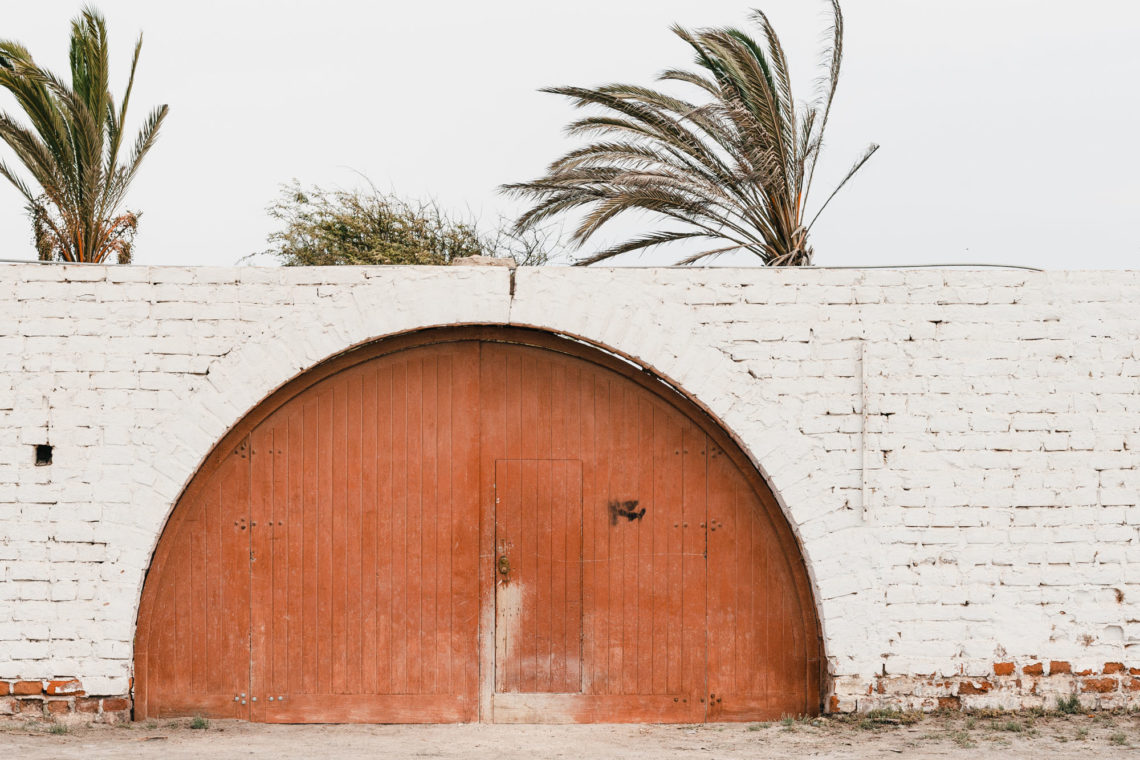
(367, 227)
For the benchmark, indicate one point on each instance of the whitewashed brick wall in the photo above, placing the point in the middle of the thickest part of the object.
(958, 451)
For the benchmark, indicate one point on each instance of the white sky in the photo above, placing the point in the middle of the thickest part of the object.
(1009, 128)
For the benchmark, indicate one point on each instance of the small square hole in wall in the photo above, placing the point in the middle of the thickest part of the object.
(43, 455)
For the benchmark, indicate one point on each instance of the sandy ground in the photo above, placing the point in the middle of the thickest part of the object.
(1010, 737)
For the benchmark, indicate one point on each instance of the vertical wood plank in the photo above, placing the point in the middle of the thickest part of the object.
(312, 618)
(467, 522)
(694, 624)
(383, 547)
(278, 534)
(295, 532)
(415, 568)
(353, 529)
(369, 465)
(646, 551)
(324, 570)
(338, 517)
(428, 580)
(401, 504)
(259, 565)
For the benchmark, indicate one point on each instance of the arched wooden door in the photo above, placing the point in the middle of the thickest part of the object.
(477, 524)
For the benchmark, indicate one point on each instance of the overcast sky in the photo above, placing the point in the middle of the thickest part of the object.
(1009, 128)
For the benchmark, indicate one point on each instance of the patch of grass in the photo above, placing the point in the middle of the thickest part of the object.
(151, 725)
(889, 717)
(1070, 705)
(199, 723)
(788, 723)
(1120, 739)
(57, 729)
(1010, 725)
(1082, 734)
(989, 712)
(757, 727)
(962, 739)
(971, 724)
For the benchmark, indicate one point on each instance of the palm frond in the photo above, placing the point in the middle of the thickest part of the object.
(638, 244)
(826, 86)
(871, 150)
(71, 147)
(734, 167)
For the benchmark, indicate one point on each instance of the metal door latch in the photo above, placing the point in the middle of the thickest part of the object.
(504, 564)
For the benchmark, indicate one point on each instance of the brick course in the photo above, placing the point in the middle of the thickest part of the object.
(958, 451)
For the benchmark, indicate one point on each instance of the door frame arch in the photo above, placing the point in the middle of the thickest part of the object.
(570, 345)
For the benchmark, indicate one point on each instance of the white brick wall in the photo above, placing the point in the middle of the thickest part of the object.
(958, 451)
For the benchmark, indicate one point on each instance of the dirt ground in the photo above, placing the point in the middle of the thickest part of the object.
(1006, 736)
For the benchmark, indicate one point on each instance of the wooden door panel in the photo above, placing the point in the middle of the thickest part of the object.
(759, 655)
(373, 522)
(192, 649)
(642, 599)
(538, 588)
(338, 564)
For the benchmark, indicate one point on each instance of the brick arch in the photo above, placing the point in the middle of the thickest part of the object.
(663, 340)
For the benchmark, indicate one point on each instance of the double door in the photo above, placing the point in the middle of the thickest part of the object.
(472, 531)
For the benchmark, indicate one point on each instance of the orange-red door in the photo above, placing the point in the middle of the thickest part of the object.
(192, 652)
(364, 559)
(759, 634)
(477, 528)
(640, 611)
(538, 577)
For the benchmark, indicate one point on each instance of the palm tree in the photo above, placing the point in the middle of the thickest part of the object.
(72, 147)
(735, 170)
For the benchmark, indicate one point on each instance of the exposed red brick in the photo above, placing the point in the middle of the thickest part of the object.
(87, 705)
(115, 704)
(8, 706)
(1134, 684)
(34, 705)
(833, 704)
(949, 703)
(974, 687)
(27, 688)
(70, 686)
(881, 687)
(1059, 666)
(1083, 673)
(59, 706)
(1113, 667)
(1036, 669)
(1003, 668)
(1098, 685)
(4, 688)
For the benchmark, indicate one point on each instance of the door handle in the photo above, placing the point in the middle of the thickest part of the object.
(504, 564)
